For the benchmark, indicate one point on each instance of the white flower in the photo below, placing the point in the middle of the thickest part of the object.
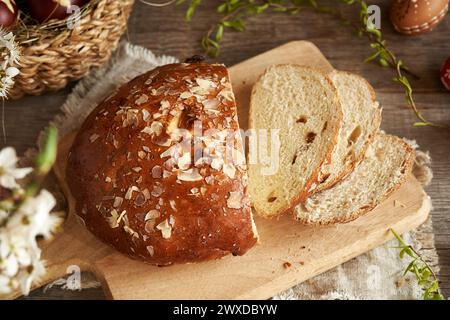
(8, 41)
(11, 72)
(10, 266)
(8, 171)
(5, 287)
(11, 58)
(37, 212)
(20, 256)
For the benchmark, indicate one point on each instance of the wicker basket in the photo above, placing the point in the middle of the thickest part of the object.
(59, 55)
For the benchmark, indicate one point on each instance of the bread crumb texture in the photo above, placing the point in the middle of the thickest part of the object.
(387, 163)
(302, 103)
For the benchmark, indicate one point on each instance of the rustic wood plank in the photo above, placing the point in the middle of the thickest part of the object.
(163, 31)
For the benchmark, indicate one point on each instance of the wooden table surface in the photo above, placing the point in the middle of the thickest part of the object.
(164, 31)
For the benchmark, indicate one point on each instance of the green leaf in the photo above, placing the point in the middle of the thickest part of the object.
(421, 124)
(407, 251)
(372, 56)
(191, 9)
(383, 62)
(262, 8)
(437, 296)
(279, 9)
(236, 25)
(409, 267)
(434, 286)
(219, 32)
(426, 273)
(47, 156)
(222, 8)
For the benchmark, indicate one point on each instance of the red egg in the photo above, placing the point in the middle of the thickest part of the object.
(8, 13)
(45, 10)
(445, 73)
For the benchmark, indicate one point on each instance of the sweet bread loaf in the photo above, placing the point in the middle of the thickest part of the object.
(140, 184)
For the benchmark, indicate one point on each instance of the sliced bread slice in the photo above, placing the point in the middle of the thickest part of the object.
(361, 122)
(302, 103)
(388, 162)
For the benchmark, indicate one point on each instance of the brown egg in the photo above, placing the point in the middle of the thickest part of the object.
(8, 13)
(413, 17)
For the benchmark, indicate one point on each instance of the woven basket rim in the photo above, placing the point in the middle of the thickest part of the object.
(60, 55)
(52, 27)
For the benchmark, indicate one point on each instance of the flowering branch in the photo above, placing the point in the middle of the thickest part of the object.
(24, 216)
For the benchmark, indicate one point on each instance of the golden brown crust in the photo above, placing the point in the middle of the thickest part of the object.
(151, 205)
(407, 169)
(305, 193)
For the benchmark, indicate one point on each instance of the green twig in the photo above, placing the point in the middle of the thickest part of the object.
(425, 276)
(235, 13)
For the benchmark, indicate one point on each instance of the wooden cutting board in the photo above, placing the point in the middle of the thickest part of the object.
(261, 273)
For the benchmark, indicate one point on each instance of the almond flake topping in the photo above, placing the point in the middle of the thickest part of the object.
(205, 83)
(145, 115)
(93, 137)
(147, 130)
(173, 205)
(165, 228)
(130, 231)
(142, 99)
(152, 215)
(227, 94)
(156, 172)
(115, 218)
(142, 154)
(184, 162)
(170, 152)
(165, 104)
(201, 161)
(211, 104)
(234, 200)
(209, 179)
(189, 175)
(151, 251)
(146, 194)
(150, 226)
(130, 191)
(157, 127)
(140, 200)
(216, 163)
(185, 95)
(157, 191)
(157, 115)
(117, 202)
(229, 170)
